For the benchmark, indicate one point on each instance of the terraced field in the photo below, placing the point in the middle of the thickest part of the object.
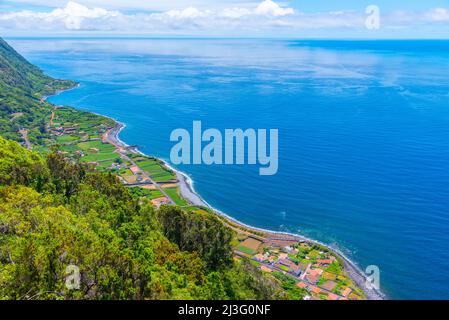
(156, 170)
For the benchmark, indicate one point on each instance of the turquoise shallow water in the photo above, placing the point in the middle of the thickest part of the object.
(364, 134)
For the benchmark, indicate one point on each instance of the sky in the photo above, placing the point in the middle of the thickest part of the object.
(374, 19)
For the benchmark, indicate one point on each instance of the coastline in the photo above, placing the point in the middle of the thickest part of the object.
(188, 192)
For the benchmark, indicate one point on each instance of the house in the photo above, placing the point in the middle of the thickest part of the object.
(115, 166)
(326, 261)
(283, 256)
(313, 275)
(301, 285)
(314, 272)
(346, 292)
(134, 169)
(294, 268)
(260, 257)
(315, 290)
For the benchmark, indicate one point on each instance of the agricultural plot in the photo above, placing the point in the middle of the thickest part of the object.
(97, 151)
(65, 138)
(156, 170)
(146, 193)
(174, 194)
(249, 246)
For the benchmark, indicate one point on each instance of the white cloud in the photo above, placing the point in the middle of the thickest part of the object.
(271, 8)
(259, 17)
(143, 5)
(74, 14)
(256, 18)
(188, 13)
(72, 17)
(438, 15)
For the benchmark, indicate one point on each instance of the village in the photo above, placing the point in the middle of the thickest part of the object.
(306, 265)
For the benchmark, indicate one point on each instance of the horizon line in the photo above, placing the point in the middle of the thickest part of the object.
(188, 37)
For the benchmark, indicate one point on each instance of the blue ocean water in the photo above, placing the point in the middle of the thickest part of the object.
(363, 133)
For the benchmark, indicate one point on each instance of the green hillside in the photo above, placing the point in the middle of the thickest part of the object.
(57, 213)
(22, 86)
(54, 214)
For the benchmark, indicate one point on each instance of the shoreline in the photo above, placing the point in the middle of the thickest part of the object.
(188, 192)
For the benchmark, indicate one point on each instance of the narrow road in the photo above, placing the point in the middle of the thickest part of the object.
(26, 140)
(52, 118)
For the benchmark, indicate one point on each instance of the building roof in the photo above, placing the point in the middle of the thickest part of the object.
(290, 264)
(312, 279)
(134, 169)
(324, 261)
(314, 272)
(283, 256)
(315, 289)
(260, 257)
(346, 292)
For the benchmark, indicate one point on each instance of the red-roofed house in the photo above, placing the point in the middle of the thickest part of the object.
(324, 261)
(346, 292)
(315, 290)
(294, 268)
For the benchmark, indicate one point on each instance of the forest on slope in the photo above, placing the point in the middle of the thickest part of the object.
(57, 213)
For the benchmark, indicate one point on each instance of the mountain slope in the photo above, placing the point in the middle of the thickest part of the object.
(22, 87)
(57, 216)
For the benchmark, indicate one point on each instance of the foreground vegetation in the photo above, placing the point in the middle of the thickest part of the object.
(54, 214)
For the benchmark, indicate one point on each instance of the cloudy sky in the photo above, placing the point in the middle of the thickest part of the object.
(230, 18)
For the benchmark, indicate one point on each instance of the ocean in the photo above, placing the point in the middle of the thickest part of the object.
(363, 134)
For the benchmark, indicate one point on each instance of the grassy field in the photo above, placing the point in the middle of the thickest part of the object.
(66, 139)
(246, 250)
(174, 194)
(96, 144)
(146, 193)
(252, 244)
(96, 157)
(156, 170)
